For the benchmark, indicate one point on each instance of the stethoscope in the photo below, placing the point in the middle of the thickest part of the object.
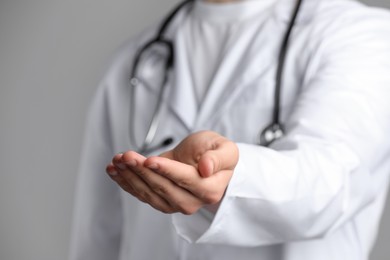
(274, 131)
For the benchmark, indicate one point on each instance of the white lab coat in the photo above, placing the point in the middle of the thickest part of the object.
(318, 193)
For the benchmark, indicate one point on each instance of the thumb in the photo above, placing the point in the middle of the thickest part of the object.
(223, 157)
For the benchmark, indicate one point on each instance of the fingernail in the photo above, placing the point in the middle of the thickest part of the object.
(121, 166)
(153, 166)
(132, 163)
(112, 173)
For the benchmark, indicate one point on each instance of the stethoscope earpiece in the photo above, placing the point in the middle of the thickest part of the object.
(270, 134)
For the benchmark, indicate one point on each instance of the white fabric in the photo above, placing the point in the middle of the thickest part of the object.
(316, 194)
(210, 31)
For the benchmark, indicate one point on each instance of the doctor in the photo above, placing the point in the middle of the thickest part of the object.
(315, 193)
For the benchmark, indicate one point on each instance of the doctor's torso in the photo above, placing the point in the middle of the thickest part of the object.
(230, 91)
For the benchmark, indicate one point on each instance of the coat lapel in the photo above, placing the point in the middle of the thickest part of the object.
(181, 97)
(239, 67)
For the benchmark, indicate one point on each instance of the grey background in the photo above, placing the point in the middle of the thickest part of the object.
(52, 54)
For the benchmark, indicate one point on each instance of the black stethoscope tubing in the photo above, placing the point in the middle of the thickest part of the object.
(272, 132)
(276, 130)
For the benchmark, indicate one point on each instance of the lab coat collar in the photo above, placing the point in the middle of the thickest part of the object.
(181, 97)
(237, 71)
(283, 10)
(227, 85)
(238, 68)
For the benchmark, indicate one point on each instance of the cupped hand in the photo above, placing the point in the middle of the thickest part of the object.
(169, 185)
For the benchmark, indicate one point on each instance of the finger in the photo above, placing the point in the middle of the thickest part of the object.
(127, 158)
(224, 156)
(117, 161)
(209, 190)
(183, 175)
(145, 194)
(134, 185)
(113, 172)
(179, 198)
(168, 154)
(212, 189)
(192, 147)
(115, 175)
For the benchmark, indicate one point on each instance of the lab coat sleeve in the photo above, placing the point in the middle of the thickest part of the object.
(97, 214)
(331, 164)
